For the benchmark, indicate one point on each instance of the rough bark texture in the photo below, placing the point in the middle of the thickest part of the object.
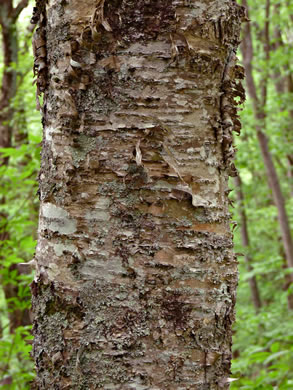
(136, 276)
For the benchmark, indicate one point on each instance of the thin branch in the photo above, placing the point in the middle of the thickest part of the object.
(247, 53)
(267, 47)
(256, 300)
(18, 9)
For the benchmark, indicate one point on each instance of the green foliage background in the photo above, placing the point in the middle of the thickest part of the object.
(263, 341)
(19, 191)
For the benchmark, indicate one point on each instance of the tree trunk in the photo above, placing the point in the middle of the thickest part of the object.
(135, 272)
(246, 244)
(277, 196)
(283, 85)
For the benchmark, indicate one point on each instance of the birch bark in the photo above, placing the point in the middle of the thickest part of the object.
(136, 276)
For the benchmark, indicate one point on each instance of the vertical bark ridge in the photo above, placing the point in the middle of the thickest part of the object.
(136, 275)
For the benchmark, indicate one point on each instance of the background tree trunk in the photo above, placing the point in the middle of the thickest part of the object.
(255, 294)
(8, 87)
(136, 275)
(259, 105)
(8, 17)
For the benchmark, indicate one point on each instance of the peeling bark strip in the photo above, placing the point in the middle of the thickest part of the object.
(136, 275)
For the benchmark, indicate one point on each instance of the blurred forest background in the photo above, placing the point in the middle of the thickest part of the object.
(261, 197)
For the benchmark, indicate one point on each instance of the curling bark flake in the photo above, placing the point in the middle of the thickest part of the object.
(136, 276)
